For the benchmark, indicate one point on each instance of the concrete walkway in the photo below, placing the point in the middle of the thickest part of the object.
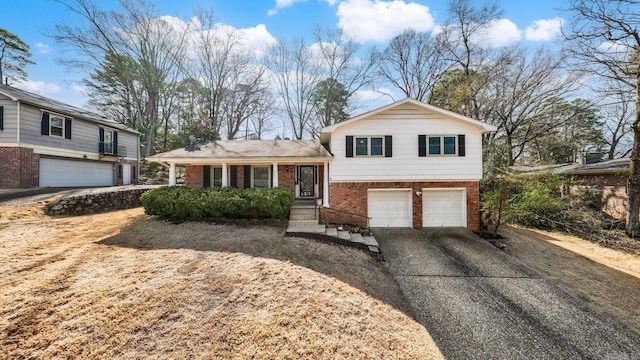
(479, 303)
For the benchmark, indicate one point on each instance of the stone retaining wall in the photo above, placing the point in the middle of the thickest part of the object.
(96, 202)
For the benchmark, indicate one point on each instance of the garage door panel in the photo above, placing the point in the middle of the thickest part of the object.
(389, 208)
(443, 208)
(63, 173)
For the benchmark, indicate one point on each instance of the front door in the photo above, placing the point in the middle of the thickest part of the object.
(306, 181)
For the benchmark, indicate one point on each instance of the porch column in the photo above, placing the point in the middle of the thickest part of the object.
(172, 174)
(274, 174)
(225, 175)
(325, 185)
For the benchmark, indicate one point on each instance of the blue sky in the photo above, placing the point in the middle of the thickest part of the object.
(372, 22)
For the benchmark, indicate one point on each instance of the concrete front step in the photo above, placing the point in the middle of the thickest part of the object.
(305, 226)
(303, 214)
(312, 227)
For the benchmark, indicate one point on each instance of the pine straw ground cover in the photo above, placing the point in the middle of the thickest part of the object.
(127, 285)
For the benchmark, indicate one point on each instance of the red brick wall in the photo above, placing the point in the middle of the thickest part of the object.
(352, 197)
(19, 168)
(193, 176)
(613, 198)
(287, 178)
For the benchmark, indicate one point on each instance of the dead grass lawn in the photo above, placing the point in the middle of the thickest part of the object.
(126, 285)
(605, 279)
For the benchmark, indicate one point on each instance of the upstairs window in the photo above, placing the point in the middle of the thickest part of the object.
(108, 143)
(442, 145)
(369, 146)
(55, 125)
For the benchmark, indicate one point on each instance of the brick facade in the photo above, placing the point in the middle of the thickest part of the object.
(19, 167)
(613, 198)
(352, 197)
(193, 176)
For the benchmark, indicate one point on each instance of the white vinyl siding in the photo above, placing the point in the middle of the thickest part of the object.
(405, 123)
(389, 207)
(444, 208)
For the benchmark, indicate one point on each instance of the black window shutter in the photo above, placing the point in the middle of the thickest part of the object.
(1, 117)
(271, 178)
(422, 145)
(388, 146)
(44, 126)
(247, 176)
(206, 176)
(67, 128)
(101, 142)
(461, 145)
(115, 143)
(349, 143)
(234, 175)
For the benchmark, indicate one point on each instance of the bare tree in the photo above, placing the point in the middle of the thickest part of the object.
(617, 111)
(148, 53)
(295, 73)
(606, 40)
(339, 60)
(525, 98)
(413, 62)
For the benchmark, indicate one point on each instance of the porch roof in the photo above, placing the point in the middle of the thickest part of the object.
(252, 150)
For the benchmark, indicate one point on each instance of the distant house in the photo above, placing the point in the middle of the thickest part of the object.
(46, 143)
(407, 164)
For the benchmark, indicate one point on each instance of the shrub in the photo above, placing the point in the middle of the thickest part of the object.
(174, 202)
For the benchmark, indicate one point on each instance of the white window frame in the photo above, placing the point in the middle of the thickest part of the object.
(442, 137)
(253, 176)
(355, 145)
(61, 127)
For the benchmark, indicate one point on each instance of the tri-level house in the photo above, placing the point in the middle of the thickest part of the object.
(46, 143)
(407, 164)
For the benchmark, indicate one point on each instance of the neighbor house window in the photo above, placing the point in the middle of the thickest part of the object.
(442, 145)
(260, 176)
(108, 141)
(56, 125)
(369, 146)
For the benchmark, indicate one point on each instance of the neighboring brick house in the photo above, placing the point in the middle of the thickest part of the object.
(608, 177)
(407, 164)
(46, 143)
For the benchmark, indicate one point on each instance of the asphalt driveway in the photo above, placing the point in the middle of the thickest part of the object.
(479, 303)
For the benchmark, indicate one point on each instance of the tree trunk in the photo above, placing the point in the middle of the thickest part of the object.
(633, 187)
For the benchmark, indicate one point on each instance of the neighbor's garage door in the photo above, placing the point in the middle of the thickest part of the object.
(62, 173)
(444, 207)
(389, 208)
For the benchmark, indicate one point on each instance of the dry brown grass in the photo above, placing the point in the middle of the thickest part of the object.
(604, 279)
(126, 285)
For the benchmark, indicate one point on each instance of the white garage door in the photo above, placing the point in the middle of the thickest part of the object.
(444, 208)
(63, 173)
(389, 208)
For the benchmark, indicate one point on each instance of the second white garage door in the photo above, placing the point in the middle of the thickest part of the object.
(63, 173)
(389, 207)
(444, 207)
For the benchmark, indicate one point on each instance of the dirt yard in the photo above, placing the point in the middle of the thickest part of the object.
(126, 285)
(605, 280)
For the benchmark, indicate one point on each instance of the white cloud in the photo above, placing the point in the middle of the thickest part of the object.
(38, 87)
(499, 33)
(331, 2)
(544, 30)
(43, 48)
(281, 4)
(80, 89)
(254, 39)
(376, 20)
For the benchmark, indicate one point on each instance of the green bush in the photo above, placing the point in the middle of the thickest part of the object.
(550, 202)
(175, 202)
